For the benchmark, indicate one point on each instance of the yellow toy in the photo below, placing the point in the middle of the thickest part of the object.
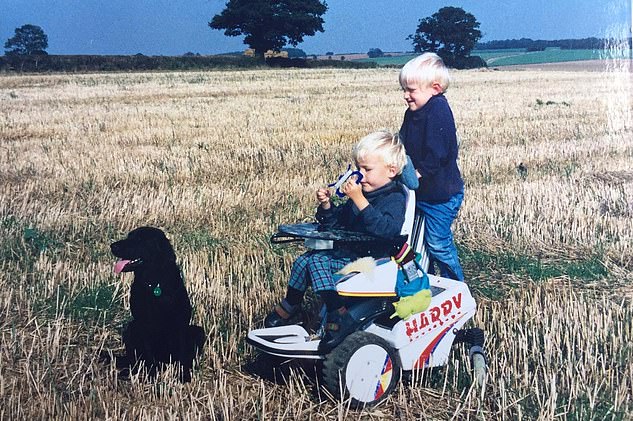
(407, 306)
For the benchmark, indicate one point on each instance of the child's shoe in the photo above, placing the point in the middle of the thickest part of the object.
(283, 314)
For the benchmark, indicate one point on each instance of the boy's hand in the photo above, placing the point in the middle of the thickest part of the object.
(323, 196)
(351, 189)
(354, 191)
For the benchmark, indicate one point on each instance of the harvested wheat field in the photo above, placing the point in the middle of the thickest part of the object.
(219, 159)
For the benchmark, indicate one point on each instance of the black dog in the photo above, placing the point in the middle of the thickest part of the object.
(159, 333)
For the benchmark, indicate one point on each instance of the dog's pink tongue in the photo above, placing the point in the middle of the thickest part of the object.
(118, 266)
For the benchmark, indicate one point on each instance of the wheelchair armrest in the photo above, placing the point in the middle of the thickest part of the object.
(318, 232)
(317, 237)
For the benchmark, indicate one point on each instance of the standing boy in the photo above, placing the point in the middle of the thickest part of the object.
(376, 206)
(429, 136)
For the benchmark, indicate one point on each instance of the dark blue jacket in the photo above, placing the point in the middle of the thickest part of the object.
(430, 139)
(383, 217)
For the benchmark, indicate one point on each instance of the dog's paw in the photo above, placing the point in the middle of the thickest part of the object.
(196, 333)
(105, 357)
(123, 362)
(120, 361)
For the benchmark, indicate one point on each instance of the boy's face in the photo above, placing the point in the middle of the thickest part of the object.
(376, 173)
(417, 96)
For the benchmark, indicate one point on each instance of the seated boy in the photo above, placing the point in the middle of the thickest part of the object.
(376, 206)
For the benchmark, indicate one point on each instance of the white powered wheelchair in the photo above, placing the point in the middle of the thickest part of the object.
(366, 366)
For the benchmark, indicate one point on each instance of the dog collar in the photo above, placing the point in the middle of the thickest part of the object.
(157, 291)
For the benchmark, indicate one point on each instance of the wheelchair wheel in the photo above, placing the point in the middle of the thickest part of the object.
(363, 368)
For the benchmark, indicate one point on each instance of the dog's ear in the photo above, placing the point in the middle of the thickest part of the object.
(166, 250)
(162, 247)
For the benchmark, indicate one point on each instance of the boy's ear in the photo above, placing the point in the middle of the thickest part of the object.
(393, 171)
(437, 88)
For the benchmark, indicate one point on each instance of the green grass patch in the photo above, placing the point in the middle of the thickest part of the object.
(23, 242)
(101, 304)
(515, 56)
(541, 103)
(547, 56)
(535, 267)
(598, 407)
(492, 267)
(199, 238)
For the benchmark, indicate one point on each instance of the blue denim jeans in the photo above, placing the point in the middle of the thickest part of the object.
(438, 236)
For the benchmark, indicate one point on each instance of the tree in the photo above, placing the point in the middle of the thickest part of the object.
(375, 52)
(270, 25)
(295, 52)
(28, 40)
(451, 32)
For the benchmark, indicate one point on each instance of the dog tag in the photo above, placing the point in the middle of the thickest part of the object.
(157, 291)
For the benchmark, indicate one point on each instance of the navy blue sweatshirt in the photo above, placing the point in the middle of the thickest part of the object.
(383, 217)
(430, 139)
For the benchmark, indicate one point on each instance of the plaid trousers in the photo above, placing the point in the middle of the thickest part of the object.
(316, 268)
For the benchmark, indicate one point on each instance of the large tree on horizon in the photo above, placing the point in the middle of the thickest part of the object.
(451, 32)
(270, 25)
(28, 39)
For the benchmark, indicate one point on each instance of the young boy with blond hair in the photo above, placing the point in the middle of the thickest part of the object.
(430, 138)
(375, 206)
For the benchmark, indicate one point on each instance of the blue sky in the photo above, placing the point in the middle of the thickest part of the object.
(164, 27)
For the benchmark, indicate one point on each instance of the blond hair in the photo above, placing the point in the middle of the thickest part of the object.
(424, 70)
(385, 144)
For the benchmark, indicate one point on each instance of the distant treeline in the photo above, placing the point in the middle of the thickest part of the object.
(539, 45)
(139, 62)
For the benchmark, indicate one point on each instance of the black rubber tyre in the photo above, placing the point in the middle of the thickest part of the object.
(363, 368)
